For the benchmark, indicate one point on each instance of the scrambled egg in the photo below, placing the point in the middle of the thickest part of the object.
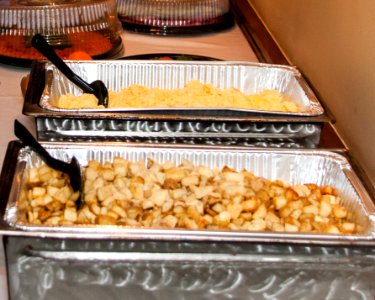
(193, 95)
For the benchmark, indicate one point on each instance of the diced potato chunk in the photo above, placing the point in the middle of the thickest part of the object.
(149, 194)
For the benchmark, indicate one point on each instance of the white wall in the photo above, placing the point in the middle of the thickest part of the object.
(333, 43)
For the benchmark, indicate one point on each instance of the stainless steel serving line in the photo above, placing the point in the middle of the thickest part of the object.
(117, 262)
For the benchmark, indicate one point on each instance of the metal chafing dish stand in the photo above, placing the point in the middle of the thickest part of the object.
(122, 263)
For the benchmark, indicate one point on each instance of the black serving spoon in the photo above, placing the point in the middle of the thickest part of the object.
(96, 87)
(73, 169)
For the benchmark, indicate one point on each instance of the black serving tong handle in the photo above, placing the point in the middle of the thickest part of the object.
(96, 87)
(73, 169)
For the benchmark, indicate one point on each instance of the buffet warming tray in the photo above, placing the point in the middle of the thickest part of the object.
(176, 125)
(50, 262)
(293, 166)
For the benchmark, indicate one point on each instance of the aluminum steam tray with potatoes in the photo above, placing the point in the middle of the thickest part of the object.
(188, 193)
(189, 97)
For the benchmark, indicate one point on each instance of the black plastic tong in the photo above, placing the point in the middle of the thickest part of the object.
(97, 87)
(73, 169)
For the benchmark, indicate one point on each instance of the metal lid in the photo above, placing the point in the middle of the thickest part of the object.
(177, 14)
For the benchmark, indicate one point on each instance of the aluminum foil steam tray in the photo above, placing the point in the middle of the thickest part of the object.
(221, 126)
(80, 262)
(293, 166)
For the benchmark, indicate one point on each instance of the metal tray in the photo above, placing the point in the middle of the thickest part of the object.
(293, 166)
(95, 262)
(47, 268)
(248, 78)
(246, 127)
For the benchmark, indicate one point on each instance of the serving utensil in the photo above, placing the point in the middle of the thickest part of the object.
(97, 87)
(73, 169)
